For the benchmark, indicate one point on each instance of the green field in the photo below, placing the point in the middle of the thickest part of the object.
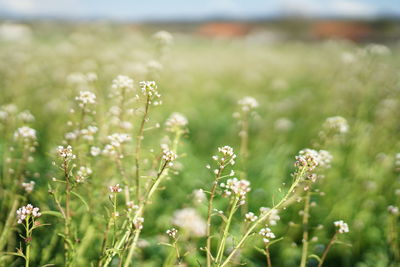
(297, 86)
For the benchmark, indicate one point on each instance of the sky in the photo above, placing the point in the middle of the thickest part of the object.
(139, 10)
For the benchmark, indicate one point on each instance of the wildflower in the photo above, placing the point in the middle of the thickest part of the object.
(237, 188)
(95, 151)
(83, 173)
(89, 132)
(169, 155)
(341, 226)
(28, 187)
(149, 89)
(66, 153)
(138, 222)
(199, 196)
(115, 188)
(25, 212)
(335, 126)
(131, 206)
(248, 103)
(189, 220)
(121, 83)
(118, 138)
(163, 38)
(227, 156)
(109, 150)
(250, 217)
(172, 233)
(273, 217)
(26, 116)
(393, 210)
(86, 97)
(176, 122)
(307, 158)
(26, 133)
(267, 234)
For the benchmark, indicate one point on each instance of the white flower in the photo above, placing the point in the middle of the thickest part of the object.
(172, 233)
(28, 187)
(176, 122)
(95, 151)
(237, 188)
(138, 222)
(26, 134)
(169, 155)
(118, 138)
(267, 234)
(199, 196)
(335, 125)
(26, 116)
(163, 37)
(115, 188)
(250, 217)
(248, 103)
(131, 206)
(273, 216)
(149, 89)
(189, 220)
(121, 83)
(86, 97)
(27, 211)
(393, 210)
(66, 153)
(342, 226)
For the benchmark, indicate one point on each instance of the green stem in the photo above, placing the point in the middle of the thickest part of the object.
(264, 217)
(226, 231)
(328, 247)
(306, 213)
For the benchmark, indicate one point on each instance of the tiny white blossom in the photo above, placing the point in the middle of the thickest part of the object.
(341, 226)
(27, 211)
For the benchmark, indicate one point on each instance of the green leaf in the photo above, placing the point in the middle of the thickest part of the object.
(82, 199)
(52, 213)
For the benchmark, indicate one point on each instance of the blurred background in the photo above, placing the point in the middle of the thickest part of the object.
(266, 20)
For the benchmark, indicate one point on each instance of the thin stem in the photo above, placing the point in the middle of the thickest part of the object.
(28, 242)
(328, 247)
(306, 214)
(264, 217)
(139, 139)
(209, 213)
(268, 256)
(226, 231)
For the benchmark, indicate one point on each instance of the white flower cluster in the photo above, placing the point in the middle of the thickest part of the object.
(27, 211)
(66, 152)
(115, 188)
(335, 126)
(121, 83)
(248, 103)
(149, 89)
(131, 206)
(341, 226)
(95, 151)
(163, 38)
(28, 187)
(322, 158)
(82, 174)
(86, 97)
(7, 111)
(236, 188)
(267, 235)
(87, 134)
(189, 220)
(393, 210)
(169, 155)
(273, 216)
(118, 138)
(25, 133)
(172, 233)
(26, 116)
(227, 157)
(176, 122)
(138, 222)
(250, 217)
(199, 196)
